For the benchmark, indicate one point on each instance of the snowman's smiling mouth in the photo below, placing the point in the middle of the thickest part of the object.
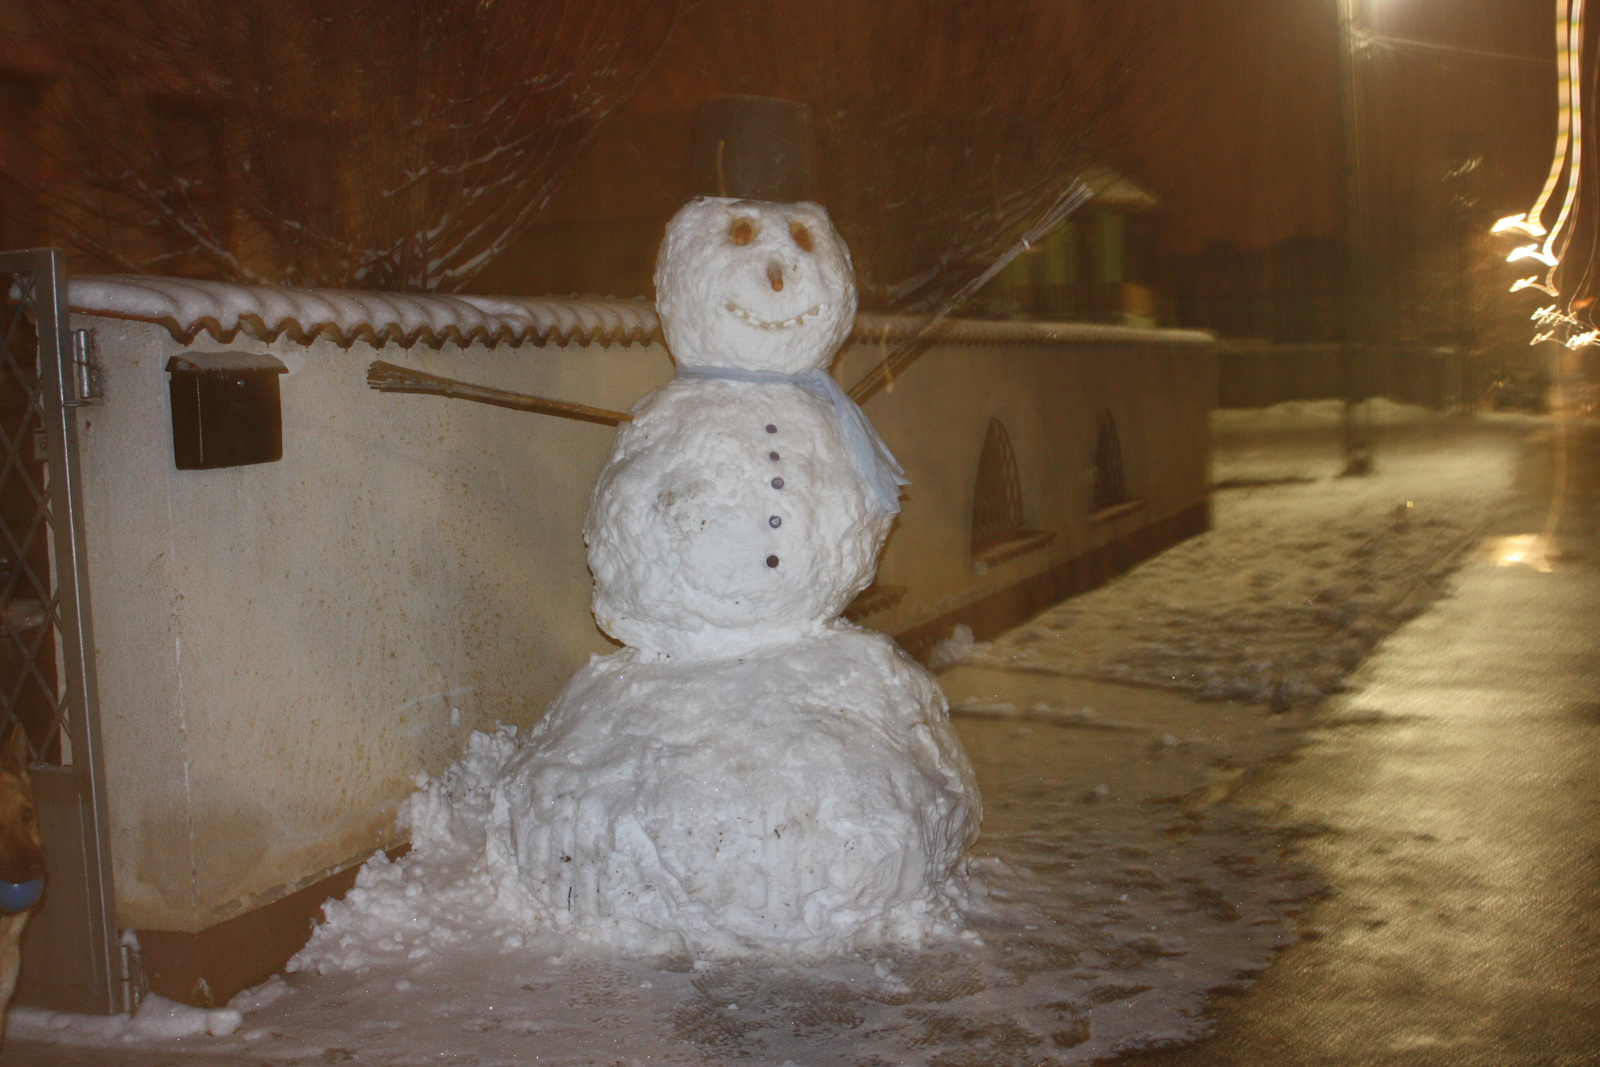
(783, 324)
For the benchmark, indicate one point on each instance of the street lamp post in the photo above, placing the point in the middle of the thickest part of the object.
(1355, 324)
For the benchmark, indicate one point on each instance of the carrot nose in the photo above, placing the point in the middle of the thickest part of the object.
(775, 276)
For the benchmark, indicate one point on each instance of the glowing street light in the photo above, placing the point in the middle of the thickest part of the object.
(1567, 160)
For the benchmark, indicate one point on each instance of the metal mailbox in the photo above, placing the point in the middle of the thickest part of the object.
(226, 410)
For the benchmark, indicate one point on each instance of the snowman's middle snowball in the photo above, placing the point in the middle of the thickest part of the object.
(681, 526)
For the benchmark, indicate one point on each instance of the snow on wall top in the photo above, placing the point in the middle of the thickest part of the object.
(890, 329)
(223, 309)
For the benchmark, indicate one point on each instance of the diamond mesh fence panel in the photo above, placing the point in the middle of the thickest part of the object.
(70, 955)
(30, 609)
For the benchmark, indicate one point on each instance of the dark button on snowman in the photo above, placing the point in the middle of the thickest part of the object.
(752, 773)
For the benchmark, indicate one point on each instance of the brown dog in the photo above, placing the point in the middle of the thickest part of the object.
(21, 853)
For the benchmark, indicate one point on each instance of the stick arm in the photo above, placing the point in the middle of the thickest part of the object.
(388, 378)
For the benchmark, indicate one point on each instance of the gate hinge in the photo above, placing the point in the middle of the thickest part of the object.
(131, 976)
(87, 386)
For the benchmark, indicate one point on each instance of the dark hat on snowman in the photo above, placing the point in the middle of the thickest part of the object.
(753, 148)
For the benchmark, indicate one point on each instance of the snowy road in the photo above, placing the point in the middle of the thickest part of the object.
(1123, 886)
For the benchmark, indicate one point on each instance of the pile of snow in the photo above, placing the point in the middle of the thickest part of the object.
(157, 1020)
(866, 817)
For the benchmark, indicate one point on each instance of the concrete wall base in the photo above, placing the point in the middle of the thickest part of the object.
(207, 969)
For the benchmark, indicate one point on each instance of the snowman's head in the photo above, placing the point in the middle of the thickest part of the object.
(755, 285)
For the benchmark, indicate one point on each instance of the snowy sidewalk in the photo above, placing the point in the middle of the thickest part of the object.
(1455, 787)
(1304, 572)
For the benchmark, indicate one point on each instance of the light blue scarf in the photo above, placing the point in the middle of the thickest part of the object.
(873, 458)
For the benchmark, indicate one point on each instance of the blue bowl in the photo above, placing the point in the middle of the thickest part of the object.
(20, 896)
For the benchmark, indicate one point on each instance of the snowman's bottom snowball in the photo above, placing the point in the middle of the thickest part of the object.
(810, 798)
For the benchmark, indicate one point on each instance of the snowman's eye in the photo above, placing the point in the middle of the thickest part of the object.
(801, 235)
(742, 232)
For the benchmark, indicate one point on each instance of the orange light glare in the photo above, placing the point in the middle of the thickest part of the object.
(1566, 163)
(1519, 223)
(1533, 252)
(1529, 550)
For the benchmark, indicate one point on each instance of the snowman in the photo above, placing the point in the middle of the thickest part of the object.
(751, 773)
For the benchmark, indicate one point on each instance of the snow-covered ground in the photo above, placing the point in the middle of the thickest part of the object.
(1114, 888)
(1096, 923)
(1304, 572)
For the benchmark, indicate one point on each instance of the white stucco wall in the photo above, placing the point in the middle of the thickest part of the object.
(280, 647)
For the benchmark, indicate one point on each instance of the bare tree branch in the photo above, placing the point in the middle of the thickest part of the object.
(945, 127)
(395, 144)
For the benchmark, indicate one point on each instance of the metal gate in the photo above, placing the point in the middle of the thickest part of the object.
(71, 958)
